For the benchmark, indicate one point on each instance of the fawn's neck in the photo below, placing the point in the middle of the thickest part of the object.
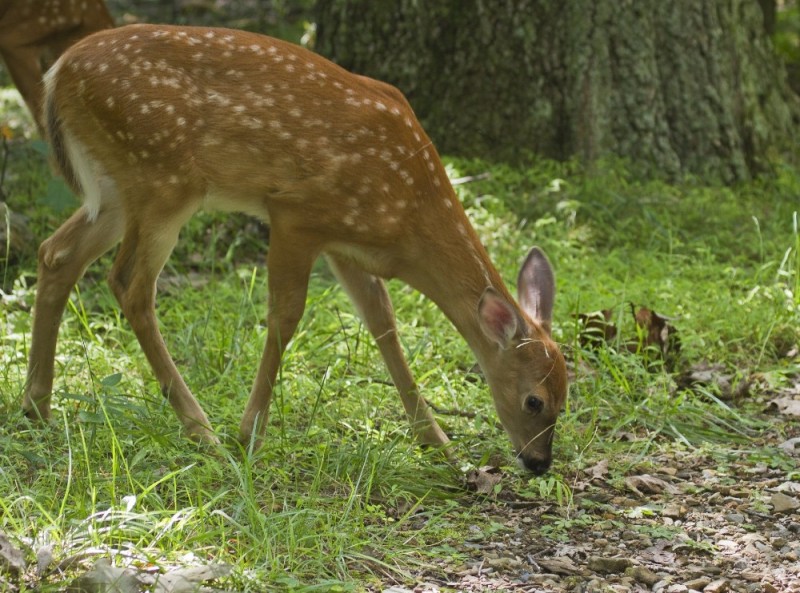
(457, 273)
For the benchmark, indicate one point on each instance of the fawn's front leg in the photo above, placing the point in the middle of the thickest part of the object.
(368, 294)
(289, 265)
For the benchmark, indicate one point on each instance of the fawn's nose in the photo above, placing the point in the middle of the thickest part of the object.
(535, 465)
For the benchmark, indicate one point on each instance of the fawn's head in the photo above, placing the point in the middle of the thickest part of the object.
(528, 375)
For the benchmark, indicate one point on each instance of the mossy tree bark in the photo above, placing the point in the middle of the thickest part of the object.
(677, 87)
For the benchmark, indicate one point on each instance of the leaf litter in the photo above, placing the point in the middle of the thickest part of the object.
(684, 520)
(694, 524)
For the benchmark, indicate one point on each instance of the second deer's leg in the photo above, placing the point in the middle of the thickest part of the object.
(63, 258)
(289, 265)
(149, 239)
(26, 72)
(372, 301)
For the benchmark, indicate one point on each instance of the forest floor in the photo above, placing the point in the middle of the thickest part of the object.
(700, 522)
(706, 519)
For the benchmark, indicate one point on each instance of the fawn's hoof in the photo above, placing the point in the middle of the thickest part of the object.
(35, 413)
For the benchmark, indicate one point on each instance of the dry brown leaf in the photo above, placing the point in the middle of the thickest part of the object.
(596, 328)
(104, 577)
(658, 555)
(599, 470)
(785, 405)
(656, 331)
(484, 479)
(647, 484)
(714, 374)
(11, 559)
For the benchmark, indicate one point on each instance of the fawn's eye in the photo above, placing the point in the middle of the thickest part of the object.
(533, 404)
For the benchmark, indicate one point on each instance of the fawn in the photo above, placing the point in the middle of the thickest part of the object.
(152, 123)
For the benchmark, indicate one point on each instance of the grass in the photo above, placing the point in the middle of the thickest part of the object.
(340, 498)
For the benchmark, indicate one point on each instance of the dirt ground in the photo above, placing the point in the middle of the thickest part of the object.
(698, 523)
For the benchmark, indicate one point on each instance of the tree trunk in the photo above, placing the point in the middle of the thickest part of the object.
(688, 86)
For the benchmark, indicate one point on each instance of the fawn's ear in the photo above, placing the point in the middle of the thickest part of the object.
(498, 319)
(536, 287)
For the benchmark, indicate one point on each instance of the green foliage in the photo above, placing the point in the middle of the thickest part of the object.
(691, 250)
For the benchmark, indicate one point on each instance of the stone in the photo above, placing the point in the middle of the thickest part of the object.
(718, 586)
(609, 565)
(698, 583)
(643, 575)
(782, 503)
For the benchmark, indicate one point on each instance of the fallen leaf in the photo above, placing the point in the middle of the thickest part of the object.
(187, 580)
(11, 559)
(785, 405)
(484, 479)
(106, 578)
(655, 331)
(646, 483)
(596, 328)
(792, 446)
(599, 470)
(707, 374)
(658, 555)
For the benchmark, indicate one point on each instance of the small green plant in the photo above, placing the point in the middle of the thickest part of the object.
(552, 487)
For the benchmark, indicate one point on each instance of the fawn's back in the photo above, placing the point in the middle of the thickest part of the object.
(237, 121)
